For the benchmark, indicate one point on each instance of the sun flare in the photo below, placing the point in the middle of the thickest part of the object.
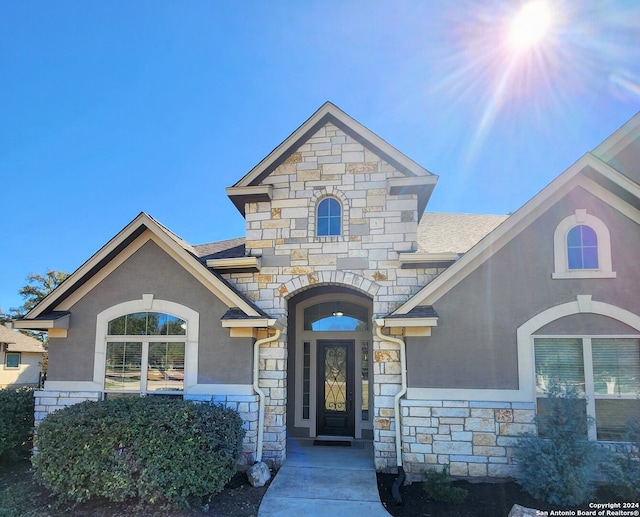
(530, 25)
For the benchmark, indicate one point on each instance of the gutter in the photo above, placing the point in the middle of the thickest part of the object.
(259, 392)
(396, 406)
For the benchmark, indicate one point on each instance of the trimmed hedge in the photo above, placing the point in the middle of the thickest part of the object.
(158, 450)
(16, 423)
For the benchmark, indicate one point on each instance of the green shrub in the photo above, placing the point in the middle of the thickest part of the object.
(158, 450)
(624, 467)
(557, 466)
(16, 423)
(438, 487)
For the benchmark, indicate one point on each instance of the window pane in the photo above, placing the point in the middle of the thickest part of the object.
(147, 324)
(136, 324)
(334, 226)
(589, 237)
(123, 366)
(323, 208)
(612, 417)
(117, 327)
(574, 237)
(336, 316)
(590, 258)
(544, 408)
(559, 361)
(575, 258)
(323, 226)
(12, 360)
(616, 366)
(174, 326)
(364, 377)
(166, 367)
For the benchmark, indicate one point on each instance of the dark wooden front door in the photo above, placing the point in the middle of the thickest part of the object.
(335, 400)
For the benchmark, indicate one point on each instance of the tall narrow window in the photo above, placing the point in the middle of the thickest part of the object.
(582, 248)
(329, 217)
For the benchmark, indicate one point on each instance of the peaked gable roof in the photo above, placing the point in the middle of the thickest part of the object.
(19, 342)
(250, 186)
(588, 172)
(87, 275)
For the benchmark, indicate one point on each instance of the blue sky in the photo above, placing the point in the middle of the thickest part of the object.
(111, 108)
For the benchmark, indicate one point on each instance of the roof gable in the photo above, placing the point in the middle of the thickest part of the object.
(589, 172)
(18, 342)
(251, 187)
(139, 231)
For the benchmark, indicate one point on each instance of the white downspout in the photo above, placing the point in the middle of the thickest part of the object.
(403, 388)
(256, 388)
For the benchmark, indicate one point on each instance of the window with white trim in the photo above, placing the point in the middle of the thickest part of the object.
(329, 217)
(605, 372)
(12, 360)
(145, 354)
(582, 248)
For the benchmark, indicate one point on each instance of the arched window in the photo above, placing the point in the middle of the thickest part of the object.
(329, 217)
(582, 248)
(145, 353)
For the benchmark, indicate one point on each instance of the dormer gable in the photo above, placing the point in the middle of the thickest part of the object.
(412, 178)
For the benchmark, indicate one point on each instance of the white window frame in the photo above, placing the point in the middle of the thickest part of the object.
(561, 258)
(148, 304)
(589, 380)
(6, 360)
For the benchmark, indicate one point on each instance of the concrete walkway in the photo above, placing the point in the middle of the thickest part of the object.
(324, 481)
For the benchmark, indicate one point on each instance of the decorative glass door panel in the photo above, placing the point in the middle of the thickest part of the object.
(335, 388)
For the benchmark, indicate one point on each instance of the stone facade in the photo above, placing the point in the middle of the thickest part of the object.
(48, 401)
(476, 439)
(376, 227)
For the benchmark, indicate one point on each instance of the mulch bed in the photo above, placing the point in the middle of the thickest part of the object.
(484, 500)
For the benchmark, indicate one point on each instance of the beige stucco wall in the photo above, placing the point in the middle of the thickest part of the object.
(27, 373)
(474, 345)
(150, 270)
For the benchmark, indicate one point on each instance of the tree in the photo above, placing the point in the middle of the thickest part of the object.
(37, 288)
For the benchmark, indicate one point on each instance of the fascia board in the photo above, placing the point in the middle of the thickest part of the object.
(330, 110)
(495, 240)
(50, 300)
(42, 324)
(407, 322)
(235, 263)
(249, 323)
(421, 258)
(619, 139)
(198, 270)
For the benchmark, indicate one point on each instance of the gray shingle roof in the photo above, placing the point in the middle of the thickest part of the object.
(19, 342)
(438, 232)
(446, 232)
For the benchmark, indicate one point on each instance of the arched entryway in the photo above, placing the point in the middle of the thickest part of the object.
(330, 364)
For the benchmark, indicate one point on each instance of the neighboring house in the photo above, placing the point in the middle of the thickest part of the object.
(21, 359)
(347, 311)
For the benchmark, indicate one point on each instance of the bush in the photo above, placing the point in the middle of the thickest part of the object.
(438, 487)
(161, 451)
(557, 466)
(16, 423)
(624, 468)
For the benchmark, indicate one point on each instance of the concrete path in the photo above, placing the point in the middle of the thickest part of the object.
(324, 481)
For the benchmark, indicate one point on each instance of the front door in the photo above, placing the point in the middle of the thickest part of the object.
(335, 396)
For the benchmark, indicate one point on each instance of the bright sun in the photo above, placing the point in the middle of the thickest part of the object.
(530, 25)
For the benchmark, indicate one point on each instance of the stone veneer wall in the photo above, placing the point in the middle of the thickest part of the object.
(376, 227)
(476, 439)
(47, 401)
